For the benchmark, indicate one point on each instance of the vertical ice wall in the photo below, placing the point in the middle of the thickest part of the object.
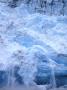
(56, 7)
(50, 7)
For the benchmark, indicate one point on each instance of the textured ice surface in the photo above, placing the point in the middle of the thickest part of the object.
(32, 45)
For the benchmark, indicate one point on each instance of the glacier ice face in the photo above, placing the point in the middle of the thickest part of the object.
(31, 44)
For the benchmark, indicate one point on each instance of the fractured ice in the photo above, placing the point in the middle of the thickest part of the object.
(33, 48)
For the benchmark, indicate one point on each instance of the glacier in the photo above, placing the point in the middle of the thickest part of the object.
(33, 48)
